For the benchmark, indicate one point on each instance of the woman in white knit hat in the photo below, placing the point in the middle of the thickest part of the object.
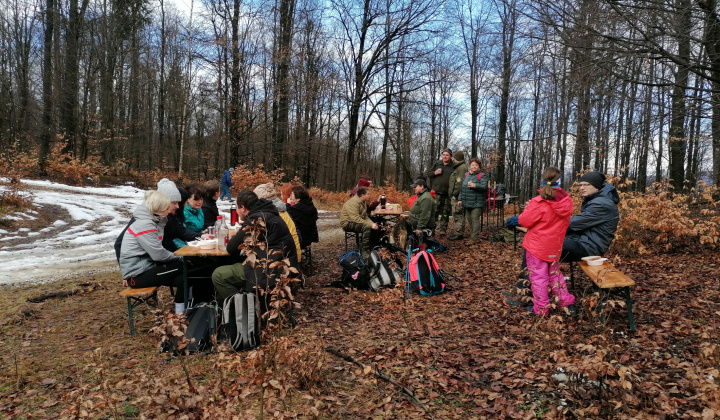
(143, 260)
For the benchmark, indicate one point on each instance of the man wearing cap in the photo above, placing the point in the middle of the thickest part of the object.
(454, 184)
(226, 183)
(439, 176)
(354, 218)
(422, 212)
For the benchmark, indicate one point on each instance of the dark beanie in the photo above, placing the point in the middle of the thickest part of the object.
(596, 179)
(459, 156)
(447, 150)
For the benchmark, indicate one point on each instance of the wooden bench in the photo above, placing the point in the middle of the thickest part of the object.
(609, 281)
(137, 297)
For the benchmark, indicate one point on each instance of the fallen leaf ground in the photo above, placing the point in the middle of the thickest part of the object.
(463, 354)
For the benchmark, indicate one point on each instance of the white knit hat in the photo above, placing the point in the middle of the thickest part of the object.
(168, 187)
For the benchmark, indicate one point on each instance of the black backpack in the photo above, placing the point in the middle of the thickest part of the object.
(202, 326)
(355, 272)
(382, 275)
(241, 321)
(424, 275)
(118, 241)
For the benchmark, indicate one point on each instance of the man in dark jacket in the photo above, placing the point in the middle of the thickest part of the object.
(255, 213)
(439, 176)
(592, 231)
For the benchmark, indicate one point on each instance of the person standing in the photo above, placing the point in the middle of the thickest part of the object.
(354, 218)
(454, 184)
(547, 217)
(439, 176)
(473, 198)
(226, 183)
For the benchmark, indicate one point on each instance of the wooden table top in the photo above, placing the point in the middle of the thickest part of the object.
(196, 251)
(388, 212)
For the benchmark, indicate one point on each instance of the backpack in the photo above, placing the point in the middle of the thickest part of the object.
(202, 325)
(434, 246)
(382, 275)
(118, 241)
(355, 273)
(240, 321)
(479, 175)
(425, 276)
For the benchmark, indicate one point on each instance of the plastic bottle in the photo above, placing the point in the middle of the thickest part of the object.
(221, 233)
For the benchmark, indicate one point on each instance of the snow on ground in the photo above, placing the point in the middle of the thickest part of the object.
(76, 247)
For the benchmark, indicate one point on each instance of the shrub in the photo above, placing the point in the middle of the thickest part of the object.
(662, 221)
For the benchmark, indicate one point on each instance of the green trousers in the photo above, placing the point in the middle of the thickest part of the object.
(228, 280)
(459, 218)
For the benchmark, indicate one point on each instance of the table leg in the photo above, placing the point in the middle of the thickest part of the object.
(185, 282)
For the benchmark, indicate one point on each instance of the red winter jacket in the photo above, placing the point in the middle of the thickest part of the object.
(412, 199)
(547, 221)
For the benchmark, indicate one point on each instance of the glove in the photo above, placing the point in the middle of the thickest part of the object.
(512, 222)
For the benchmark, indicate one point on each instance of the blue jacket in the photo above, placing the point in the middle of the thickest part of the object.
(227, 179)
(595, 226)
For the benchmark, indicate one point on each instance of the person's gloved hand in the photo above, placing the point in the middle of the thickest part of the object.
(512, 222)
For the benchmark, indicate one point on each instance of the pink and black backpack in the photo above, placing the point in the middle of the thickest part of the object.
(425, 276)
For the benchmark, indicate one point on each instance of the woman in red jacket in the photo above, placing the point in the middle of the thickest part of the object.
(547, 217)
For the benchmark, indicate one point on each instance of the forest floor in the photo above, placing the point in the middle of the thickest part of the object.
(463, 354)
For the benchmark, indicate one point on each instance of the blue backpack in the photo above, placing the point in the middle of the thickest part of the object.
(356, 273)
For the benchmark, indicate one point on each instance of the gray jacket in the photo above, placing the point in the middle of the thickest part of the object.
(142, 244)
(595, 226)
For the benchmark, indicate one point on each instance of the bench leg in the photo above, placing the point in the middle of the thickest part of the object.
(625, 294)
(572, 275)
(133, 302)
(628, 302)
(131, 321)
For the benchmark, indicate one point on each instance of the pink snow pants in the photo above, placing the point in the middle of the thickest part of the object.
(546, 277)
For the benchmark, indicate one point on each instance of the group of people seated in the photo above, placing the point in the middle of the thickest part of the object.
(553, 236)
(169, 217)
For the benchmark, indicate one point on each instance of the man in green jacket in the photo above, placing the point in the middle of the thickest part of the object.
(455, 183)
(354, 218)
(422, 213)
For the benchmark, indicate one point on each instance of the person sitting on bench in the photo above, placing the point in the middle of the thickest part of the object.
(590, 232)
(354, 218)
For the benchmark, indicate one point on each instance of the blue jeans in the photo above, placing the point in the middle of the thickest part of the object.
(225, 190)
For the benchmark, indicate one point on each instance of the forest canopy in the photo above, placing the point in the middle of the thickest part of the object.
(325, 91)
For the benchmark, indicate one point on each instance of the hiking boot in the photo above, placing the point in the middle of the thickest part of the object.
(455, 237)
(513, 303)
(571, 309)
(508, 293)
